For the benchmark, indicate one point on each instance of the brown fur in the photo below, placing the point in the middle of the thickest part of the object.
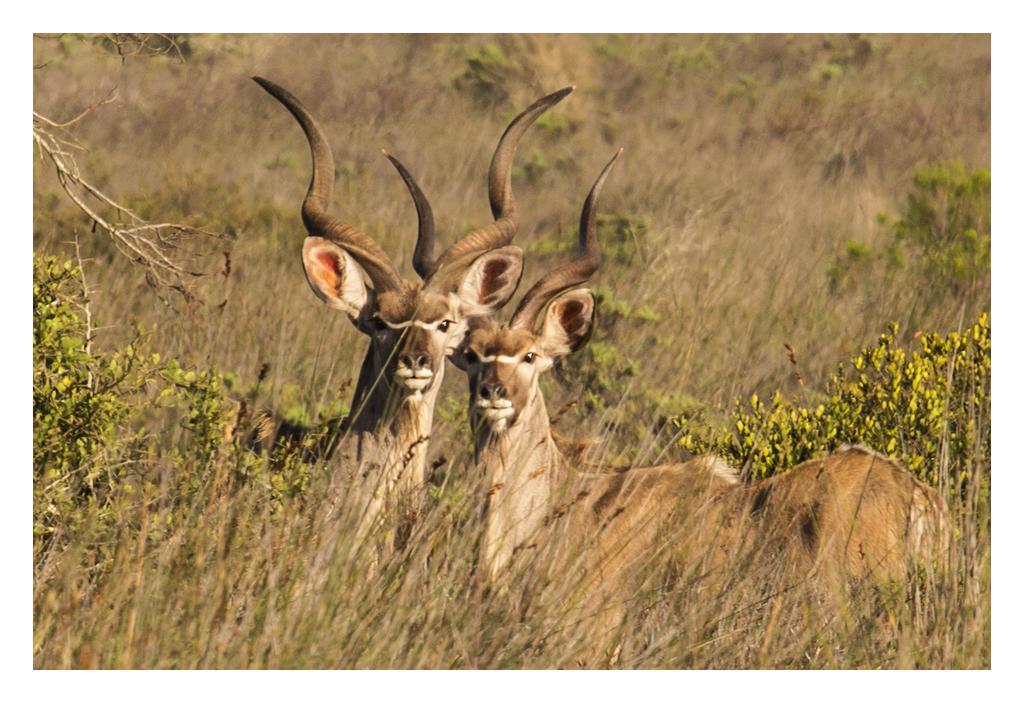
(413, 303)
(850, 517)
(495, 341)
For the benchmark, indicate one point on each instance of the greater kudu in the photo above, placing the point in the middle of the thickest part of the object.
(412, 325)
(853, 513)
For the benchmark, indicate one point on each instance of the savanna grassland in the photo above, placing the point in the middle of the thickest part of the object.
(797, 255)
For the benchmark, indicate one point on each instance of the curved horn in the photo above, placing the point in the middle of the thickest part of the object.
(423, 255)
(573, 273)
(367, 253)
(499, 186)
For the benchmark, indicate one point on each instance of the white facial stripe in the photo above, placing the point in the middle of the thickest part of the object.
(500, 358)
(429, 326)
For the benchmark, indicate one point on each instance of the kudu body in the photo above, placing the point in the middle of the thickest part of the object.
(853, 513)
(412, 326)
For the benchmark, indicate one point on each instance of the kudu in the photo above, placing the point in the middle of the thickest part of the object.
(412, 325)
(853, 513)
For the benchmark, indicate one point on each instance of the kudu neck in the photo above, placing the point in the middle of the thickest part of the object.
(397, 424)
(524, 469)
(528, 436)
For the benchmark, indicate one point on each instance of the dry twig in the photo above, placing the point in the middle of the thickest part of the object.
(155, 246)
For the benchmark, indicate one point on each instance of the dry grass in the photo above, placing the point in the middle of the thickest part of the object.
(238, 585)
(752, 158)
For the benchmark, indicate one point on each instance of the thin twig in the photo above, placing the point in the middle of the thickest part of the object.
(152, 245)
(111, 97)
(85, 307)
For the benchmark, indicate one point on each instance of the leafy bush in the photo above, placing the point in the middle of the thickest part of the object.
(601, 368)
(943, 235)
(79, 402)
(91, 460)
(947, 223)
(623, 236)
(700, 59)
(556, 124)
(743, 91)
(535, 168)
(486, 74)
(929, 408)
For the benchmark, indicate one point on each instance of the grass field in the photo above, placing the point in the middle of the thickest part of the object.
(781, 200)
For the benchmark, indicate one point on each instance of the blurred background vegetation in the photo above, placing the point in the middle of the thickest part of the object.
(782, 201)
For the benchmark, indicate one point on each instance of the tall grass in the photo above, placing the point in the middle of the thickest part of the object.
(751, 165)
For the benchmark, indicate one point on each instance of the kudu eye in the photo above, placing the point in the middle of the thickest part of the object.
(445, 324)
(530, 357)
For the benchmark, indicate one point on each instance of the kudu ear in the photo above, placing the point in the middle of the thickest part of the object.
(490, 281)
(334, 276)
(568, 322)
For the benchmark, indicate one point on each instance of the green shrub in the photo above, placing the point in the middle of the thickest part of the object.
(943, 237)
(700, 59)
(80, 401)
(623, 235)
(486, 74)
(947, 223)
(742, 91)
(205, 417)
(929, 408)
(535, 168)
(556, 124)
(601, 368)
(92, 462)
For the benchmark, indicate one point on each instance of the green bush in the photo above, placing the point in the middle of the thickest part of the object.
(80, 401)
(92, 462)
(556, 124)
(601, 368)
(700, 59)
(929, 408)
(947, 223)
(943, 235)
(623, 236)
(486, 74)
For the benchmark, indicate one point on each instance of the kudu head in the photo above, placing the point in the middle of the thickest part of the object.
(412, 325)
(504, 361)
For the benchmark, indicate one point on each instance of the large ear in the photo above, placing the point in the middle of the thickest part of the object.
(568, 322)
(334, 276)
(490, 281)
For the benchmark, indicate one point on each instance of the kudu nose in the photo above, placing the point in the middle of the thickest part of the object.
(492, 391)
(414, 362)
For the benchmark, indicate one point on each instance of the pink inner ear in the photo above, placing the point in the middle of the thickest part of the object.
(492, 282)
(328, 274)
(570, 316)
(329, 259)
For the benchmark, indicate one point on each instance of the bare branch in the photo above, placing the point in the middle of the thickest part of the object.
(111, 97)
(130, 45)
(85, 306)
(154, 246)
